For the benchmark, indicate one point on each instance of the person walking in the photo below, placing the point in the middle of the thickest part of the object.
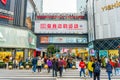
(49, 63)
(112, 63)
(109, 70)
(116, 67)
(54, 67)
(39, 64)
(34, 64)
(60, 66)
(90, 68)
(82, 66)
(96, 70)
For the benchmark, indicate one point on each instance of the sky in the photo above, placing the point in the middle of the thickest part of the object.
(59, 6)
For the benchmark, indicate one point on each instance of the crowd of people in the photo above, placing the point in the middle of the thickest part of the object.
(52, 64)
(91, 68)
(94, 68)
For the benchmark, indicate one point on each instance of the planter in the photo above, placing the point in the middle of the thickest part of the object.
(73, 67)
(27, 67)
(2, 65)
(10, 67)
(21, 67)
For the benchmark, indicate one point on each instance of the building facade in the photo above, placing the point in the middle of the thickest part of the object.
(65, 31)
(81, 6)
(15, 38)
(103, 22)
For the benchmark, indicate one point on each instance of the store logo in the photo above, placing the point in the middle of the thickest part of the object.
(81, 25)
(31, 41)
(4, 2)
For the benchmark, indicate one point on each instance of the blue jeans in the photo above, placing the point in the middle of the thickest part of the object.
(109, 75)
(54, 73)
(90, 73)
(115, 70)
(34, 68)
(82, 70)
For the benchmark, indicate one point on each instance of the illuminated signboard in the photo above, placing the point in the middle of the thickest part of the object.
(4, 2)
(60, 39)
(42, 26)
(5, 12)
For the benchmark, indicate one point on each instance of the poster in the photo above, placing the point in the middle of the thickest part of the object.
(103, 53)
(118, 71)
(44, 39)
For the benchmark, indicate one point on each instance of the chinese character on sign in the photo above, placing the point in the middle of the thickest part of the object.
(75, 26)
(70, 26)
(64, 25)
(54, 26)
(60, 26)
(48, 26)
(42, 26)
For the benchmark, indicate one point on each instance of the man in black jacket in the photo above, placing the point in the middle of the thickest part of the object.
(96, 70)
(54, 67)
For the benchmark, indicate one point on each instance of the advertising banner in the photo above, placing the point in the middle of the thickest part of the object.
(118, 71)
(32, 40)
(74, 27)
(16, 38)
(12, 37)
(92, 52)
(60, 39)
(44, 39)
(103, 53)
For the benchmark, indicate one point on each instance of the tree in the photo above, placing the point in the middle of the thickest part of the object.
(51, 50)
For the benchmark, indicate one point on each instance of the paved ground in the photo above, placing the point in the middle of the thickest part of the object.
(28, 75)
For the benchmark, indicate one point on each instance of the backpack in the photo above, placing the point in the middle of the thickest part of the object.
(97, 67)
(109, 68)
(39, 63)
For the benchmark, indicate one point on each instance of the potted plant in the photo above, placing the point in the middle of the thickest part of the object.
(10, 65)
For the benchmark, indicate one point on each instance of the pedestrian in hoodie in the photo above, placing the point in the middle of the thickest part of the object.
(49, 63)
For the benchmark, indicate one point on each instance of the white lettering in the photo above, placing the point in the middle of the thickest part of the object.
(6, 12)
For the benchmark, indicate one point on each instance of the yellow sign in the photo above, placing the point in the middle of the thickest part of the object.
(111, 6)
(19, 55)
(113, 52)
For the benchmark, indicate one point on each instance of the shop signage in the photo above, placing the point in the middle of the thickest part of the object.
(4, 1)
(6, 12)
(59, 26)
(111, 6)
(31, 41)
(6, 17)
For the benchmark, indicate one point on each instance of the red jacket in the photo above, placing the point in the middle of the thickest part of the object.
(112, 63)
(82, 65)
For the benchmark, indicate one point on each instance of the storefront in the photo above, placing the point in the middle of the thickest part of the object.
(16, 42)
(63, 34)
